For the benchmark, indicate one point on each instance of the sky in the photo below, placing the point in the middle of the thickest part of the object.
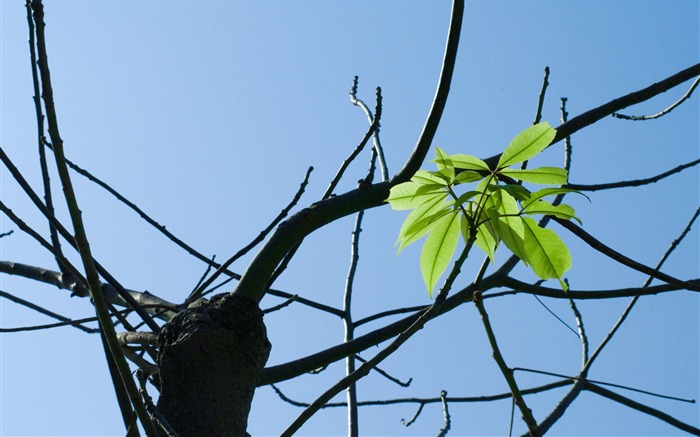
(207, 115)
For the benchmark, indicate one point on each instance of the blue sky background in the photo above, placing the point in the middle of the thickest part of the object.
(207, 115)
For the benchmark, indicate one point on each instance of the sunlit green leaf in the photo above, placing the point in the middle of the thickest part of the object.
(542, 175)
(511, 231)
(426, 177)
(536, 195)
(466, 176)
(517, 191)
(410, 195)
(543, 207)
(438, 249)
(468, 162)
(546, 252)
(442, 159)
(486, 240)
(527, 144)
(419, 221)
(466, 196)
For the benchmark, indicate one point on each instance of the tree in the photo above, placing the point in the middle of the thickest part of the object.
(675, 205)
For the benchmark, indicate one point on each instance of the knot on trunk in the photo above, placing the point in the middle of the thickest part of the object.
(209, 359)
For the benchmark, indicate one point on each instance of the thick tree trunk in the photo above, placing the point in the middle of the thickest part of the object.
(210, 357)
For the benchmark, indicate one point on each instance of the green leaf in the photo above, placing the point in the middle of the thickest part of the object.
(410, 195)
(543, 207)
(438, 249)
(527, 144)
(486, 242)
(418, 222)
(442, 159)
(517, 191)
(468, 162)
(427, 177)
(466, 176)
(512, 234)
(465, 197)
(549, 192)
(542, 175)
(546, 252)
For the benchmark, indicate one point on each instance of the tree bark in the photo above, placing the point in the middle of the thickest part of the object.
(209, 361)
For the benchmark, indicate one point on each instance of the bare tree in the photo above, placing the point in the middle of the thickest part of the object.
(205, 355)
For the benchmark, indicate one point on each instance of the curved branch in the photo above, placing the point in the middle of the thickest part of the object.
(617, 256)
(590, 117)
(634, 183)
(433, 121)
(665, 111)
(291, 232)
(558, 293)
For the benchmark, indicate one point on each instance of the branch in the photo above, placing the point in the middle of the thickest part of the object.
(558, 293)
(634, 183)
(64, 320)
(613, 254)
(590, 117)
(505, 370)
(59, 280)
(291, 232)
(641, 407)
(665, 111)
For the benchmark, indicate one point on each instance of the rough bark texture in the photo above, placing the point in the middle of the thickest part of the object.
(210, 358)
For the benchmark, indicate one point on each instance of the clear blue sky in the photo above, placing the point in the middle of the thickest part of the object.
(207, 114)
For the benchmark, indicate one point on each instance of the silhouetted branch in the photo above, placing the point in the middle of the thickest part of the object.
(592, 116)
(445, 414)
(615, 255)
(543, 91)
(641, 407)
(505, 370)
(64, 320)
(375, 136)
(524, 287)
(222, 268)
(386, 375)
(634, 183)
(665, 111)
(365, 368)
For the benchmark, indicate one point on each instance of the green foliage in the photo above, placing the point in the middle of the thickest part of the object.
(498, 210)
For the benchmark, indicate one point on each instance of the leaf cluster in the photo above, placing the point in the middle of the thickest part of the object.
(498, 209)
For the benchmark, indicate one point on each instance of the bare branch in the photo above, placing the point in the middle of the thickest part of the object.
(590, 117)
(615, 255)
(375, 136)
(505, 370)
(634, 183)
(64, 320)
(643, 408)
(222, 268)
(665, 111)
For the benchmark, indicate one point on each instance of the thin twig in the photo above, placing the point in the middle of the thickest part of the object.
(543, 91)
(617, 256)
(48, 198)
(365, 368)
(94, 285)
(386, 375)
(609, 384)
(634, 300)
(64, 320)
(643, 408)
(445, 414)
(505, 370)
(349, 327)
(375, 137)
(665, 111)
(223, 267)
(633, 183)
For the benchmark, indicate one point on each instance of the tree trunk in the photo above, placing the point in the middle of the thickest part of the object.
(209, 360)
